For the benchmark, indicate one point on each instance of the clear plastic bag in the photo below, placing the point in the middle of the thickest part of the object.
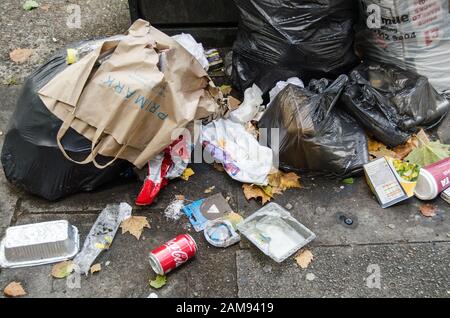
(412, 34)
(101, 235)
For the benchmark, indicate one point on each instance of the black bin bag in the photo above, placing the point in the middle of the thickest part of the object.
(278, 39)
(314, 135)
(30, 156)
(392, 103)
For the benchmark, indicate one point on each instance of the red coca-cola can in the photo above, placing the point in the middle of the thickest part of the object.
(173, 254)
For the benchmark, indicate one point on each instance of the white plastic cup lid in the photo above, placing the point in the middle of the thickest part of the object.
(426, 188)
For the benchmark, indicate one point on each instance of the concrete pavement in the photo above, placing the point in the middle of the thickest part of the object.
(409, 251)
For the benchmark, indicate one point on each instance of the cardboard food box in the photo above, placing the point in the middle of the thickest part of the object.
(391, 180)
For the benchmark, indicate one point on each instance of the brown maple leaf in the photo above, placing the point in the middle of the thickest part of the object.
(254, 192)
(304, 258)
(135, 225)
(14, 289)
(428, 210)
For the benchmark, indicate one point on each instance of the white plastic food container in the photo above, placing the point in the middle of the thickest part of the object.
(275, 232)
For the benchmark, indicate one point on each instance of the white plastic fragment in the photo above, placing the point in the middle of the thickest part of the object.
(174, 210)
(250, 107)
(241, 155)
(282, 85)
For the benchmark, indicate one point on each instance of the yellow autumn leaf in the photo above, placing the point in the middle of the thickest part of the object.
(254, 192)
(375, 145)
(281, 181)
(187, 174)
(63, 269)
(209, 190)
(96, 268)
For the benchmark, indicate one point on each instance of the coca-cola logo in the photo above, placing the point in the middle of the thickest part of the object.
(173, 246)
(179, 257)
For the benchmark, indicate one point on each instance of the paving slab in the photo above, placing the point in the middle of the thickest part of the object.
(127, 190)
(212, 273)
(406, 270)
(45, 29)
(9, 195)
(320, 203)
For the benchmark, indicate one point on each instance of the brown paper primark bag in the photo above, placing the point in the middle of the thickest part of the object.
(129, 103)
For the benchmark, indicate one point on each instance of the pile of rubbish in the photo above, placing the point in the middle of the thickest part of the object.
(303, 103)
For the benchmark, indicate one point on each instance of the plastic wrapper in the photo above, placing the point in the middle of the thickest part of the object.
(314, 135)
(282, 39)
(411, 34)
(282, 85)
(101, 235)
(221, 233)
(30, 156)
(164, 167)
(196, 49)
(391, 103)
(249, 107)
(275, 232)
(241, 155)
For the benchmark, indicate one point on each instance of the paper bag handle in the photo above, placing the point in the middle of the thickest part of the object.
(91, 158)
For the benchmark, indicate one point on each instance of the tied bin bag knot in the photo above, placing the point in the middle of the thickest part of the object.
(128, 96)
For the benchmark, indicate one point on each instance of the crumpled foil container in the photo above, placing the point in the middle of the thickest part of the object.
(39, 244)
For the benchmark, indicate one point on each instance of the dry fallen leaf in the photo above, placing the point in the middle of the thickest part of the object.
(379, 150)
(423, 138)
(14, 289)
(45, 7)
(403, 151)
(210, 189)
(20, 56)
(428, 210)
(135, 225)
(187, 174)
(304, 258)
(281, 181)
(63, 269)
(414, 142)
(254, 192)
(384, 152)
(374, 145)
(219, 167)
(226, 89)
(96, 268)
